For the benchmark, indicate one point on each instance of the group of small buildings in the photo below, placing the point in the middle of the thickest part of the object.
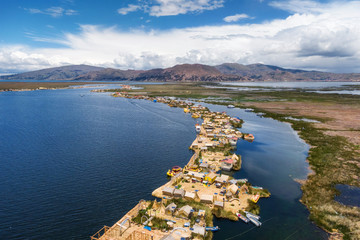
(203, 179)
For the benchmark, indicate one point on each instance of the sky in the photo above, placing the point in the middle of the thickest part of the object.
(143, 34)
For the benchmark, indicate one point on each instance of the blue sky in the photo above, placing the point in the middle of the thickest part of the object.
(143, 34)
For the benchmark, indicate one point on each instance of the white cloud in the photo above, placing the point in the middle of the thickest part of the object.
(172, 7)
(176, 7)
(236, 17)
(53, 11)
(129, 8)
(326, 40)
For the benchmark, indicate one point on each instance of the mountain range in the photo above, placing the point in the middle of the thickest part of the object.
(183, 73)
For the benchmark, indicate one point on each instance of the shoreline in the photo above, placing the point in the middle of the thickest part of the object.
(34, 86)
(334, 233)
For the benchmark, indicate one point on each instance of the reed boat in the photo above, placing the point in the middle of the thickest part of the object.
(249, 214)
(255, 221)
(175, 170)
(213, 229)
(249, 137)
(242, 217)
(194, 115)
(186, 110)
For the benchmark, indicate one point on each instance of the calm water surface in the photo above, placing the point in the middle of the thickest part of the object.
(349, 195)
(303, 85)
(71, 164)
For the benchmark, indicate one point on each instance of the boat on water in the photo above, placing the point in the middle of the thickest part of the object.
(197, 128)
(230, 106)
(213, 229)
(186, 110)
(249, 137)
(242, 217)
(194, 115)
(254, 221)
(175, 170)
(249, 110)
(249, 214)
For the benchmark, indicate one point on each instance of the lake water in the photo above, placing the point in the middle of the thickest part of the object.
(71, 164)
(349, 195)
(303, 85)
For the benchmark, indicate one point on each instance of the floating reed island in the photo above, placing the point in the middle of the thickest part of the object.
(194, 193)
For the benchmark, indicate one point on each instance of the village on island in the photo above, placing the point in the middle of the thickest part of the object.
(185, 205)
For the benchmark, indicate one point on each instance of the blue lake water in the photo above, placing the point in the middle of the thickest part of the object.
(349, 195)
(71, 164)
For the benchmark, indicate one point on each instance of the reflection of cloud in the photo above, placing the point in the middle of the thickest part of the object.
(328, 40)
(53, 11)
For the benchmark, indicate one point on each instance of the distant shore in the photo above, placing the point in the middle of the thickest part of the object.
(31, 86)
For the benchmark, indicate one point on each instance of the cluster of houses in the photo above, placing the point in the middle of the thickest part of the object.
(201, 180)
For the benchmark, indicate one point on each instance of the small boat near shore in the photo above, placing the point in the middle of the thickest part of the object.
(186, 110)
(249, 137)
(175, 170)
(230, 106)
(242, 217)
(249, 214)
(249, 110)
(255, 221)
(194, 115)
(213, 229)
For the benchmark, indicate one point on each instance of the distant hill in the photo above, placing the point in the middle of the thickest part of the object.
(261, 72)
(183, 73)
(57, 73)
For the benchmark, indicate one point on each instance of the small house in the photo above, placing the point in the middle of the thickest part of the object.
(198, 230)
(204, 165)
(207, 199)
(210, 177)
(170, 209)
(190, 195)
(219, 204)
(227, 164)
(228, 195)
(223, 179)
(168, 191)
(196, 175)
(185, 211)
(234, 189)
(179, 193)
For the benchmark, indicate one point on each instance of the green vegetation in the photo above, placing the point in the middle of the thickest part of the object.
(261, 192)
(196, 205)
(221, 213)
(253, 207)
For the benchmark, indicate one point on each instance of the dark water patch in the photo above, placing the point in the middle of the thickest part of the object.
(349, 195)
